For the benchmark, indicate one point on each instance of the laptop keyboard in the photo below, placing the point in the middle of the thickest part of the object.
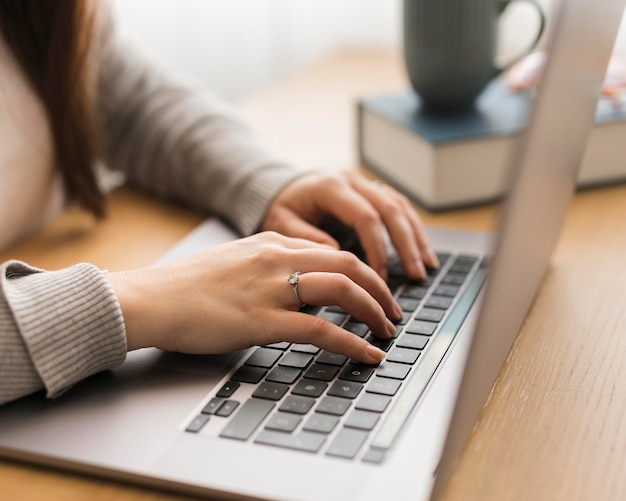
(302, 398)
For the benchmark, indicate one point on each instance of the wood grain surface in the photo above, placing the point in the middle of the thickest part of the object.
(555, 425)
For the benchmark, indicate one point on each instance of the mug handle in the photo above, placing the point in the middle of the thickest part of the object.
(502, 4)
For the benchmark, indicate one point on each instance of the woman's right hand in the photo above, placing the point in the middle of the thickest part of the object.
(236, 295)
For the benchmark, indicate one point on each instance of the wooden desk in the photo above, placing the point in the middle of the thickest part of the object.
(555, 426)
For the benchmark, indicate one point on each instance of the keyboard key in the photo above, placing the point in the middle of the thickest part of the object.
(358, 372)
(383, 344)
(454, 278)
(414, 291)
(304, 441)
(384, 386)
(413, 341)
(408, 304)
(283, 346)
(271, 391)
(326, 357)
(283, 421)
(227, 408)
(447, 290)
(212, 406)
(403, 355)
(406, 315)
(305, 348)
(442, 257)
(430, 315)
(333, 405)
(394, 283)
(358, 328)
(345, 389)
(322, 372)
(228, 389)
(466, 259)
(395, 269)
(246, 374)
(309, 388)
(198, 423)
(393, 370)
(298, 360)
(263, 357)
(286, 375)
(430, 279)
(347, 443)
(362, 420)
(247, 419)
(373, 456)
(335, 318)
(297, 404)
(421, 327)
(461, 268)
(372, 402)
(438, 302)
(321, 423)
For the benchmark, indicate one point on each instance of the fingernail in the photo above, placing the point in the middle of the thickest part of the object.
(390, 327)
(432, 259)
(375, 354)
(397, 310)
(422, 269)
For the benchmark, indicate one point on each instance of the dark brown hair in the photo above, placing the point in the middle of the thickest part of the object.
(52, 39)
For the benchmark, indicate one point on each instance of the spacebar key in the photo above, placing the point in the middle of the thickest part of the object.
(249, 417)
(304, 441)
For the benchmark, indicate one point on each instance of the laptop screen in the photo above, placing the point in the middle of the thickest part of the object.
(542, 182)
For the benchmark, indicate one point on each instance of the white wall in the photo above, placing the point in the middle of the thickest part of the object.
(238, 46)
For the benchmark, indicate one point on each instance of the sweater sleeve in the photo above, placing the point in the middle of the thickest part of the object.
(173, 138)
(56, 328)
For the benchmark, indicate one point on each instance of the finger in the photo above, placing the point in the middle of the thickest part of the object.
(354, 210)
(310, 261)
(404, 225)
(309, 329)
(400, 229)
(426, 250)
(293, 243)
(324, 289)
(292, 225)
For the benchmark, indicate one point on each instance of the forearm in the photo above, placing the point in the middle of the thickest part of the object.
(177, 140)
(56, 328)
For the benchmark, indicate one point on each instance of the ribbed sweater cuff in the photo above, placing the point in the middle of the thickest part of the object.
(70, 320)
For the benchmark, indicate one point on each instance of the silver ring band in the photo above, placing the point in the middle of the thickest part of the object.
(293, 280)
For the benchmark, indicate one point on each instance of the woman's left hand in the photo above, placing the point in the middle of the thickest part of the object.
(367, 207)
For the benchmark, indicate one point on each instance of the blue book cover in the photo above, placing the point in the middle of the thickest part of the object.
(451, 160)
(498, 112)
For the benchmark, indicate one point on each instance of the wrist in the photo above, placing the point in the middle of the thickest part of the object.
(129, 300)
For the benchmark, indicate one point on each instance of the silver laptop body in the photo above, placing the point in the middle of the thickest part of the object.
(130, 423)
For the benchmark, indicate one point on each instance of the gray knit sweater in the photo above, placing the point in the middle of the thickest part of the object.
(171, 138)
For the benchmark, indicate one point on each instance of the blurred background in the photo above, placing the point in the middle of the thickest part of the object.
(237, 47)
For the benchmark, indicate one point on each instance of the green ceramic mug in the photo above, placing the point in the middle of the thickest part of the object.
(450, 48)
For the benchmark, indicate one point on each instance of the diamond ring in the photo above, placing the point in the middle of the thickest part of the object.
(293, 281)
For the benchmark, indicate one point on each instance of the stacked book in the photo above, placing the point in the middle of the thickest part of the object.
(445, 161)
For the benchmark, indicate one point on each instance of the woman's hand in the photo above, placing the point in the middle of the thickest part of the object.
(237, 295)
(360, 204)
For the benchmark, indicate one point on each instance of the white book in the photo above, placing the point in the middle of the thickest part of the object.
(445, 161)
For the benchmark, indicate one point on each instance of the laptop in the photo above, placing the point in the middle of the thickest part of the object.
(290, 422)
